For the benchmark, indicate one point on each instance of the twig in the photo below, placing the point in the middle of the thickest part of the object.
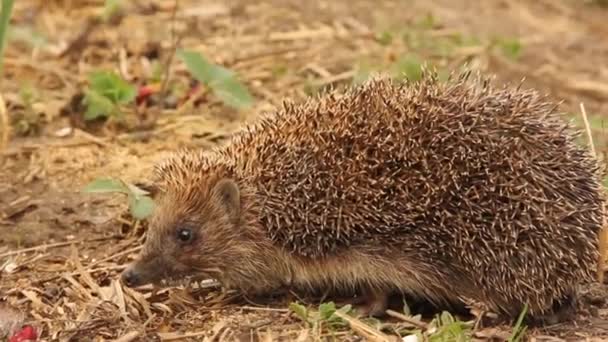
(335, 78)
(409, 320)
(175, 41)
(603, 235)
(171, 336)
(263, 309)
(79, 42)
(588, 129)
(114, 256)
(130, 336)
(91, 138)
(5, 126)
(34, 147)
(363, 329)
(51, 245)
(75, 273)
(591, 88)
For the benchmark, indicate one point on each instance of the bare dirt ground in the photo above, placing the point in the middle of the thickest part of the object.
(61, 250)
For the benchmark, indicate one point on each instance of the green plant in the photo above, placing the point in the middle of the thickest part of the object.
(110, 9)
(279, 70)
(510, 47)
(408, 66)
(5, 17)
(28, 120)
(223, 82)
(107, 92)
(519, 329)
(447, 328)
(429, 21)
(385, 38)
(140, 204)
(324, 316)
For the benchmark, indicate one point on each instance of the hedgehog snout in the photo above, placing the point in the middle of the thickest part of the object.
(141, 272)
(130, 277)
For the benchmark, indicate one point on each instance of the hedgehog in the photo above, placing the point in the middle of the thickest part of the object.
(452, 191)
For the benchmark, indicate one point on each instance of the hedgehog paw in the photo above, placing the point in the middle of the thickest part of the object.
(562, 311)
(373, 305)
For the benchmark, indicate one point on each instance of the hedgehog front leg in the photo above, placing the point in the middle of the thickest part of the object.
(373, 304)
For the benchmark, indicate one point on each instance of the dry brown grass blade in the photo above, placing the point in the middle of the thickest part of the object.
(128, 337)
(173, 336)
(413, 322)
(51, 245)
(4, 124)
(367, 332)
(603, 235)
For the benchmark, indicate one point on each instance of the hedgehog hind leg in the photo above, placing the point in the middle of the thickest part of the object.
(562, 310)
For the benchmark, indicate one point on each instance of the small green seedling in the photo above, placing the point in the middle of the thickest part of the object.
(510, 47)
(409, 66)
(5, 17)
(519, 329)
(279, 70)
(140, 204)
(385, 38)
(446, 327)
(429, 21)
(29, 120)
(107, 92)
(223, 82)
(325, 316)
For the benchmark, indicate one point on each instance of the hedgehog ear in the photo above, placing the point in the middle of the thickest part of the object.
(227, 190)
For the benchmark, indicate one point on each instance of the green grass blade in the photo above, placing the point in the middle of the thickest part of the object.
(5, 17)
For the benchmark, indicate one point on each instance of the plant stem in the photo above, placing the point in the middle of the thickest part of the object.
(5, 16)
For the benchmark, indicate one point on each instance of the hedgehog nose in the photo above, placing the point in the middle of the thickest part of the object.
(129, 277)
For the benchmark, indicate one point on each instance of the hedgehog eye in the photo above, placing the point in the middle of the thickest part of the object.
(185, 235)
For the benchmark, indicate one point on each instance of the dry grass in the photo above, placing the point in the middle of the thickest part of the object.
(61, 251)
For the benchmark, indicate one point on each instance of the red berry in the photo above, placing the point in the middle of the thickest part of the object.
(27, 333)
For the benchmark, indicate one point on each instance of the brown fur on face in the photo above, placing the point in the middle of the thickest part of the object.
(221, 241)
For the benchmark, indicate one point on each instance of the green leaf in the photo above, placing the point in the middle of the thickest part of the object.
(326, 310)
(104, 185)
(511, 47)
(233, 93)
(279, 70)
(5, 18)
(335, 320)
(345, 309)
(111, 8)
(198, 66)
(223, 82)
(141, 206)
(112, 86)
(429, 21)
(98, 106)
(300, 311)
(519, 329)
(411, 67)
(385, 38)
